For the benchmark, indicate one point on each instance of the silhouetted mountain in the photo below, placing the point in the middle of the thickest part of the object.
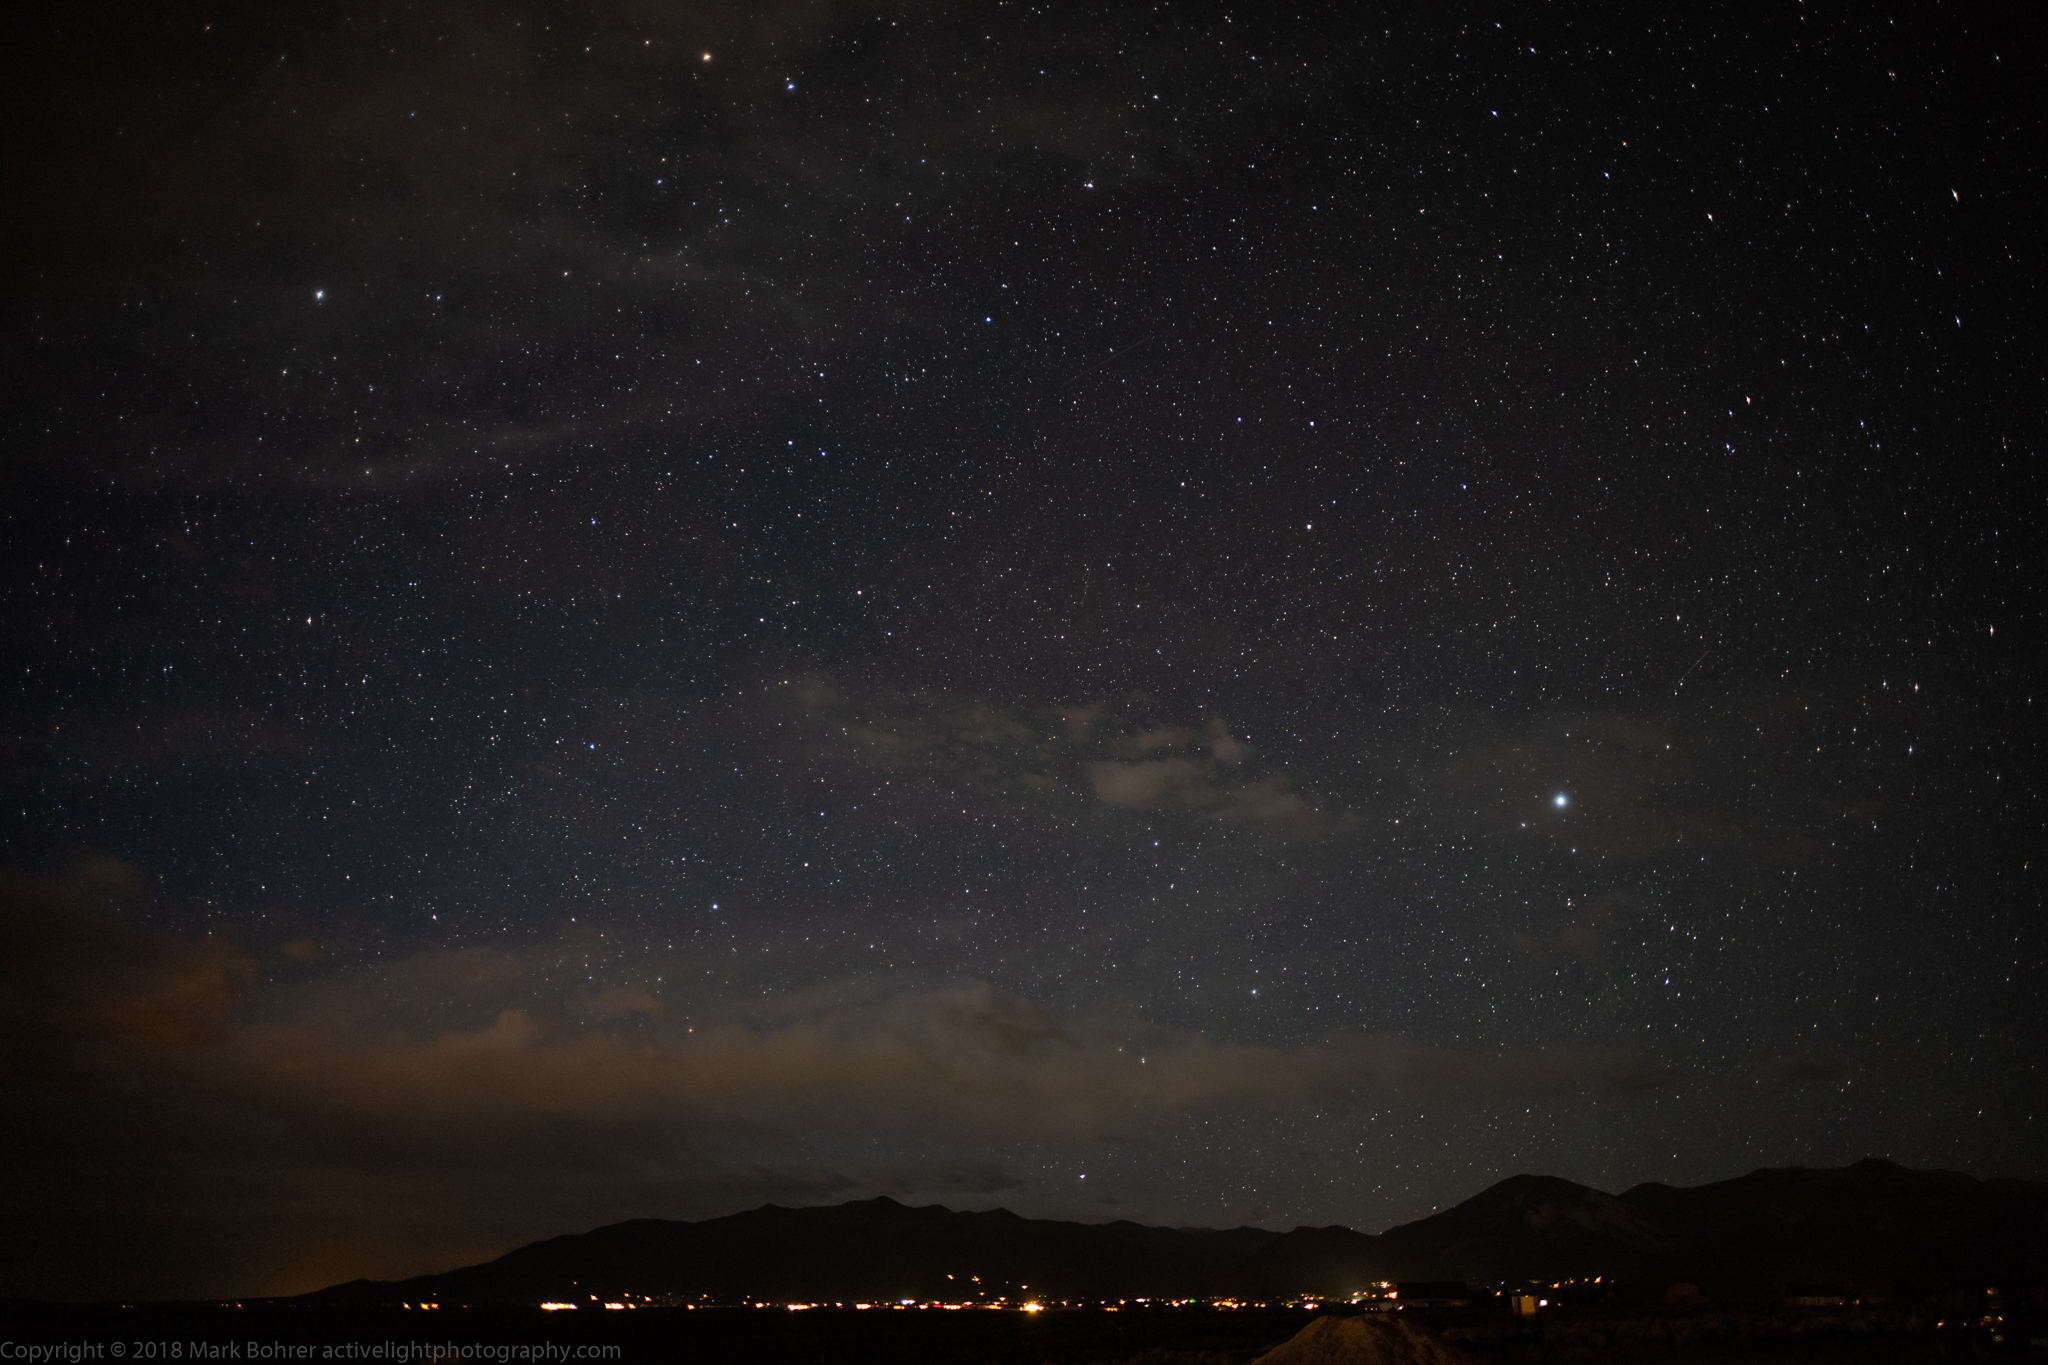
(1200, 1246)
(1332, 1260)
(1527, 1227)
(1873, 1225)
(868, 1250)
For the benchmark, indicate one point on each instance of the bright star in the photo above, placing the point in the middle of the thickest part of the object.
(1558, 799)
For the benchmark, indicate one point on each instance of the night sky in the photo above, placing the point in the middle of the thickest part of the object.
(1199, 614)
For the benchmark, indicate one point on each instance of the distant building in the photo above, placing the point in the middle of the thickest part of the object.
(1817, 1296)
(1973, 1305)
(1432, 1294)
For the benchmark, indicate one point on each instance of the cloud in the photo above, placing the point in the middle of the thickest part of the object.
(1268, 802)
(985, 724)
(1198, 782)
(80, 997)
(461, 1048)
(1214, 736)
(1183, 782)
(469, 1088)
(1149, 741)
(944, 1177)
(1141, 786)
(1080, 720)
(620, 1001)
(356, 1056)
(1226, 749)
(1112, 749)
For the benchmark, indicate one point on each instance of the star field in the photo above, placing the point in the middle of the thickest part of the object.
(1293, 613)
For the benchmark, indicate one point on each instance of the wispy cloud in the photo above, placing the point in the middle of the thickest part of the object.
(467, 1069)
(1110, 749)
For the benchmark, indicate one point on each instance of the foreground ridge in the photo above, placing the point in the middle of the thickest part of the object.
(1874, 1229)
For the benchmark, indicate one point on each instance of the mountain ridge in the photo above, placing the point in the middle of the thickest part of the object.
(1884, 1228)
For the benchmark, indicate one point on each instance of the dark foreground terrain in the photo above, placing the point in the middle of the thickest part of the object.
(1889, 1232)
(1079, 1336)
